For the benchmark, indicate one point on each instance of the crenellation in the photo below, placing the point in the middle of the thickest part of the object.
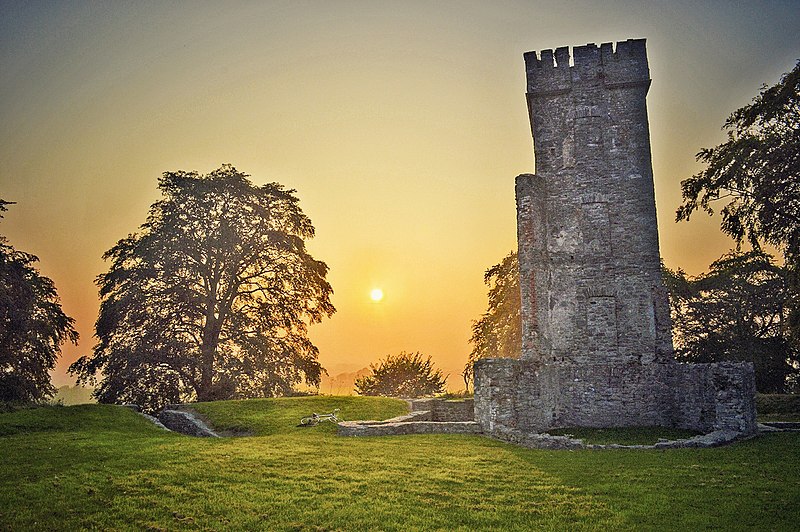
(586, 61)
(552, 73)
(607, 52)
(562, 57)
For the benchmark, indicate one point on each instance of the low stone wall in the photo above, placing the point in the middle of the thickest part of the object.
(396, 428)
(427, 416)
(420, 415)
(445, 410)
(715, 397)
(779, 426)
(519, 395)
(534, 440)
(547, 441)
(154, 420)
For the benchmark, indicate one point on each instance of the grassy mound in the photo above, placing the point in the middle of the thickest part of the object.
(105, 467)
(265, 417)
(79, 419)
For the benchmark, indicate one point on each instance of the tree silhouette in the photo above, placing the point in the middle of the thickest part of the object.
(498, 332)
(32, 326)
(403, 375)
(211, 298)
(755, 175)
(736, 312)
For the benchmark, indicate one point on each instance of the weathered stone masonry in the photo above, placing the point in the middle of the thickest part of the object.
(597, 345)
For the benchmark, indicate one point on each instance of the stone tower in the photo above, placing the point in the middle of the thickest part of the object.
(596, 333)
(588, 237)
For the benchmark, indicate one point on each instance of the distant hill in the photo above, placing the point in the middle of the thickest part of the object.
(341, 383)
(74, 395)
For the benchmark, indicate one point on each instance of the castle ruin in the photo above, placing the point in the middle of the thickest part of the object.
(596, 332)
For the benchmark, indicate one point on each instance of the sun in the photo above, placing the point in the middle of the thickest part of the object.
(376, 294)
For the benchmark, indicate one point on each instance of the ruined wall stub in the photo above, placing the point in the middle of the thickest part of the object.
(597, 345)
(587, 232)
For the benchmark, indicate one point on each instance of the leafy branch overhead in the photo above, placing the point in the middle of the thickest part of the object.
(211, 298)
(755, 175)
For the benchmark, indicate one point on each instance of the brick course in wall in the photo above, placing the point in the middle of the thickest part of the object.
(596, 333)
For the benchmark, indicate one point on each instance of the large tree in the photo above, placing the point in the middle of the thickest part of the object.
(211, 298)
(33, 327)
(403, 375)
(755, 177)
(736, 312)
(498, 332)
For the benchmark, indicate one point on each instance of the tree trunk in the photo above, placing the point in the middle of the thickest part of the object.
(208, 352)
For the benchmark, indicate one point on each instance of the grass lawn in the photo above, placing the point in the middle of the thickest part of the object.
(105, 467)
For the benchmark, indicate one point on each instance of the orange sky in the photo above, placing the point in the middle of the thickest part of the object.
(401, 124)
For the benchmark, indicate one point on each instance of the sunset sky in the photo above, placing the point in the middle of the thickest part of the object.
(401, 124)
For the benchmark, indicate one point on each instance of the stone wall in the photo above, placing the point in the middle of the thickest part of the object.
(443, 410)
(427, 416)
(529, 396)
(179, 419)
(397, 428)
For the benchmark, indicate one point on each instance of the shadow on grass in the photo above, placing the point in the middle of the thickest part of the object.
(624, 435)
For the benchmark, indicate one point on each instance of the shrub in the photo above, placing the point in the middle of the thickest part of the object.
(778, 404)
(403, 375)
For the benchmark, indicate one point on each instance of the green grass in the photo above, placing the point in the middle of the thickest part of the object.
(104, 467)
(625, 435)
(264, 417)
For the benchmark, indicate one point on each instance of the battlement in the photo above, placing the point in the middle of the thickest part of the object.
(552, 73)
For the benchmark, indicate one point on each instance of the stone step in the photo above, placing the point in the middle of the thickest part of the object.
(394, 428)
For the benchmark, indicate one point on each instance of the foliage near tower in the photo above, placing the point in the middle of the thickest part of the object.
(211, 298)
(736, 311)
(755, 177)
(498, 332)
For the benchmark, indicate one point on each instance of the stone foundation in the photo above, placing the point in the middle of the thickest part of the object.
(531, 397)
(400, 427)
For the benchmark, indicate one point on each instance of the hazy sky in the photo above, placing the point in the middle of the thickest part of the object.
(401, 124)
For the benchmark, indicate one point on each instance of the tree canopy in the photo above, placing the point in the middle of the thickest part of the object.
(736, 312)
(498, 332)
(33, 327)
(211, 298)
(756, 173)
(403, 375)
